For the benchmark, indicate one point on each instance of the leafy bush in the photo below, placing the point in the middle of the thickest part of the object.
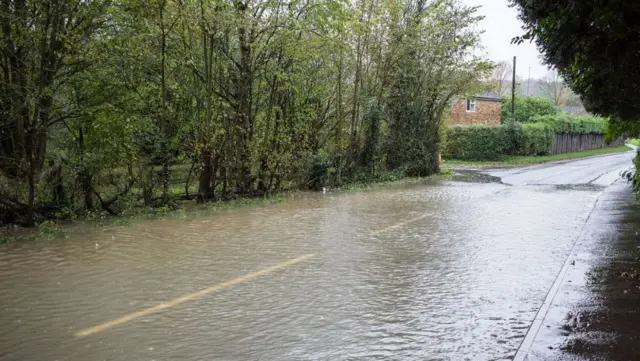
(477, 142)
(515, 137)
(322, 171)
(486, 142)
(632, 176)
(537, 139)
(527, 108)
(568, 123)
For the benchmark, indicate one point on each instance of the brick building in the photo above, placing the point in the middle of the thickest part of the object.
(481, 109)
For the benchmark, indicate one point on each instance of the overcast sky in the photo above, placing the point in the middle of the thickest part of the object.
(501, 24)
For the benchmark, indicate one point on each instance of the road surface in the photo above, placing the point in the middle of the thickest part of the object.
(449, 270)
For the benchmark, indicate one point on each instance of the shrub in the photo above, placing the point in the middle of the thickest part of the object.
(537, 139)
(484, 142)
(527, 108)
(322, 171)
(477, 142)
(515, 137)
(568, 123)
(634, 176)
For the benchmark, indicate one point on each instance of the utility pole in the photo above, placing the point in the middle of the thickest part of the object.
(513, 91)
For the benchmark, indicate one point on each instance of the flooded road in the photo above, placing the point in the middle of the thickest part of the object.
(447, 270)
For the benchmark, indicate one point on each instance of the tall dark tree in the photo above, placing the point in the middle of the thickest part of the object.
(594, 45)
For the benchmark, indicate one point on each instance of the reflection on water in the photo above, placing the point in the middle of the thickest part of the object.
(462, 283)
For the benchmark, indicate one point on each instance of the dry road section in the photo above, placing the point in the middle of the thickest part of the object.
(457, 269)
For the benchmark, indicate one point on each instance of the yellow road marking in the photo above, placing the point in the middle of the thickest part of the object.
(189, 297)
(380, 231)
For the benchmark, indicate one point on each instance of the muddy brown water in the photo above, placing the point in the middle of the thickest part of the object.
(462, 282)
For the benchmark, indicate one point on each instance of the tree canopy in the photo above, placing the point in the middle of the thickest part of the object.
(112, 105)
(594, 45)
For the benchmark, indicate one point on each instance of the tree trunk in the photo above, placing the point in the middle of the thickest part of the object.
(166, 172)
(59, 197)
(206, 174)
(244, 108)
(86, 181)
(262, 188)
(225, 181)
(32, 192)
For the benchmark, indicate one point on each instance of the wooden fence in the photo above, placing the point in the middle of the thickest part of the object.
(570, 142)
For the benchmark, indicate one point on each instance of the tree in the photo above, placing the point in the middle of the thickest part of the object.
(41, 49)
(594, 45)
(554, 88)
(501, 78)
(434, 63)
(151, 102)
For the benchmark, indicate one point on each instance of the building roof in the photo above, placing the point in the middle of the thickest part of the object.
(489, 96)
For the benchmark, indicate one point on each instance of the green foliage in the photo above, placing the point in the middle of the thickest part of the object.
(8, 239)
(424, 80)
(150, 103)
(323, 172)
(534, 138)
(594, 46)
(494, 142)
(617, 128)
(634, 141)
(527, 108)
(47, 227)
(477, 142)
(515, 137)
(446, 171)
(537, 139)
(50, 230)
(636, 176)
(519, 160)
(567, 123)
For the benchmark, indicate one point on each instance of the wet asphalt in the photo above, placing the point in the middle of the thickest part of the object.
(482, 266)
(593, 313)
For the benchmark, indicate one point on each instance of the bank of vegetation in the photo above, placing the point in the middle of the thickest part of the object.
(531, 132)
(521, 161)
(109, 105)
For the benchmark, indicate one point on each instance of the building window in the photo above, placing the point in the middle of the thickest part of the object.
(471, 105)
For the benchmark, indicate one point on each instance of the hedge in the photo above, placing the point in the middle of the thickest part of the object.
(476, 142)
(494, 142)
(567, 123)
(527, 108)
(538, 139)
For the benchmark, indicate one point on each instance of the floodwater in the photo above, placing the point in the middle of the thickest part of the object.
(449, 270)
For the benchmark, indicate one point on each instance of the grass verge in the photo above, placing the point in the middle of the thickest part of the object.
(634, 141)
(517, 161)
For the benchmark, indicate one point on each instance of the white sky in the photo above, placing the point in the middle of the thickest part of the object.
(501, 24)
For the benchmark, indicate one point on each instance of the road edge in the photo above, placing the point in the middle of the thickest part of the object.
(525, 346)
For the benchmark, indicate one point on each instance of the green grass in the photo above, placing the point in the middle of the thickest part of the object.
(516, 161)
(634, 141)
